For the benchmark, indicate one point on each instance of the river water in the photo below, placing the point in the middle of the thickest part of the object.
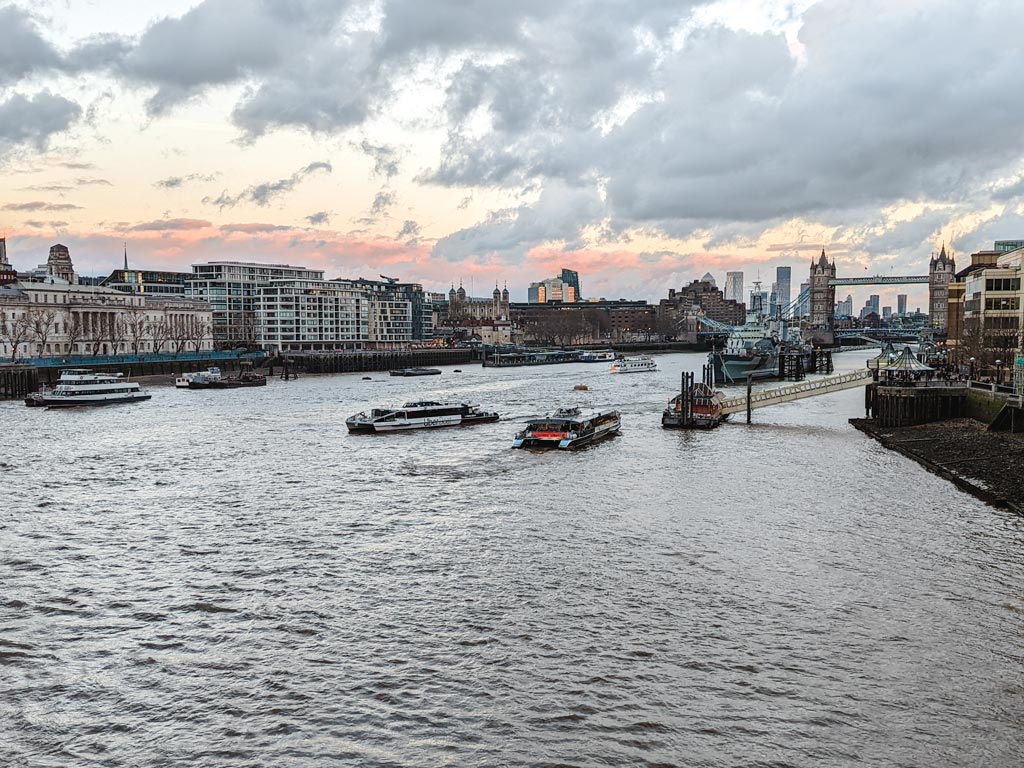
(230, 579)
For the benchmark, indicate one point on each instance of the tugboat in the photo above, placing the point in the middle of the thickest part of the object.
(568, 428)
(639, 364)
(425, 414)
(78, 387)
(415, 372)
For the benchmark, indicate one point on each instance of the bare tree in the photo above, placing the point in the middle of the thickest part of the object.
(115, 330)
(74, 331)
(136, 325)
(196, 332)
(15, 331)
(179, 334)
(42, 323)
(160, 332)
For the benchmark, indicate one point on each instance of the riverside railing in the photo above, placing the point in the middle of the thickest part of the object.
(70, 361)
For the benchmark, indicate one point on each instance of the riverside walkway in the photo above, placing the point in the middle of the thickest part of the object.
(809, 388)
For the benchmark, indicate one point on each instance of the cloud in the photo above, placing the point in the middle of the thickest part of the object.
(262, 194)
(171, 225)
(33, 120)
(385, 158)
(255, 228)
(45, 224)
(175, 182)
(318, 218)
(382, 201)
(39, 205)
(24, 50)
(410, 229)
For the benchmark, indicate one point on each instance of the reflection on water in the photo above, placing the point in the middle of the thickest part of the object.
(228, 578)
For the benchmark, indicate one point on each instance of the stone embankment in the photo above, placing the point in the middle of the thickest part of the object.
(983, 463)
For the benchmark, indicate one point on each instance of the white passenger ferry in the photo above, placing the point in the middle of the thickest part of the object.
(78, 387)
(568, 428)
(597, 356)
(419, 415)
(638, 364)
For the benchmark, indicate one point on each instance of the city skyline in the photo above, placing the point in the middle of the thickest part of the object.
(344, 137)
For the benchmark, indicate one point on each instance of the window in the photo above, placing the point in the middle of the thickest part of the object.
(1002, 284)
(1007, 303)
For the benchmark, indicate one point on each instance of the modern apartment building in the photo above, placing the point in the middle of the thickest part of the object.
(311, 315)
(231, 288)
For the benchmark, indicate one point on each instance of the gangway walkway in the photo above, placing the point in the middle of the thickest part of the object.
(808, 388)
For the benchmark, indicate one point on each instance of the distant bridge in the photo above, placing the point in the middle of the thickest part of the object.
(809, 388)
(879, 280)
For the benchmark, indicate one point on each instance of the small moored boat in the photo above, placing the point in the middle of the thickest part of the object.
(597, 356)
(185, 379)
(425, 414)
(568, 428)
(637, 364)
(415, 372)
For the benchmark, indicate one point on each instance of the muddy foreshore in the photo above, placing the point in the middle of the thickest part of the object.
(985, 464)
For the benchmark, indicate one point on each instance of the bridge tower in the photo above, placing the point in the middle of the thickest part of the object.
(941, 269)
(823, 295)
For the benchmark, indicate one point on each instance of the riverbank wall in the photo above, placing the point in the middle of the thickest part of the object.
(356, 362)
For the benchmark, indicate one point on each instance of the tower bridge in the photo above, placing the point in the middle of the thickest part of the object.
(879, 280)
(823, 282)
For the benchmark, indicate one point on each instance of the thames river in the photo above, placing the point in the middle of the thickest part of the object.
(228, 578)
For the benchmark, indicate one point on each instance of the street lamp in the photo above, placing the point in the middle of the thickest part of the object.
(999, 372)
(971, 377)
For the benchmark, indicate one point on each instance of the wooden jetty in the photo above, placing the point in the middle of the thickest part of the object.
(17, 381)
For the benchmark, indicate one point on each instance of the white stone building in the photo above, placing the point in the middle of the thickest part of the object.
(52, 316)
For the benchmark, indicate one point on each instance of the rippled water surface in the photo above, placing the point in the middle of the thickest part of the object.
(230, 579)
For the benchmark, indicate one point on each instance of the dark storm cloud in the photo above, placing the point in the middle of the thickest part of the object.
(262, 194)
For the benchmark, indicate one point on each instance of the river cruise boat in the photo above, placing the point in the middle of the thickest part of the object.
(79, 387)
(638, 364)
(415, 372)
(597, 356)
(425, 414)
(184, 380)
(568, 428)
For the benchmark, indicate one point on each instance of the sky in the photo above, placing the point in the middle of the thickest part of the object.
(486, 141)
